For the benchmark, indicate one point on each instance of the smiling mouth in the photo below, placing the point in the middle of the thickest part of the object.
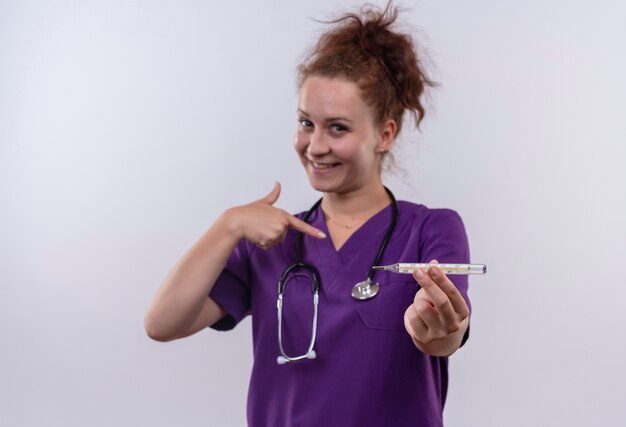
(324, 165)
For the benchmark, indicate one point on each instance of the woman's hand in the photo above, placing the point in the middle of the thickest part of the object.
(439, 315)
(264, 225)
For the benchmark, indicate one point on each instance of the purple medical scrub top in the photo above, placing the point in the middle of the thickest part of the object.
(367, 372)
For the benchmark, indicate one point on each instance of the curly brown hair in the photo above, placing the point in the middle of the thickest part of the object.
(362, 48)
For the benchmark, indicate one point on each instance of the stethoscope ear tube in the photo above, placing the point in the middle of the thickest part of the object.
(310, 353)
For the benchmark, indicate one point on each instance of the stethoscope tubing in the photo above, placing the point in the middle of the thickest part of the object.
(300, 264)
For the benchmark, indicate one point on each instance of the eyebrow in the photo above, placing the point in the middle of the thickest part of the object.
(328, 119)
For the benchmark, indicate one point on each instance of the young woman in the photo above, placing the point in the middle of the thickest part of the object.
(330, 356)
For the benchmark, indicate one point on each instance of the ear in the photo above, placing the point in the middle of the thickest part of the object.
(388, 134)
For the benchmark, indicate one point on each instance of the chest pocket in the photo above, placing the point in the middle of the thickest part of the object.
(386, 310)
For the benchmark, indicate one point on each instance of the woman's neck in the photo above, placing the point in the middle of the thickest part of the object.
(361, 204)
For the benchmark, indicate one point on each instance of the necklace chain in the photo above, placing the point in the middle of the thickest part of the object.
(347, 227)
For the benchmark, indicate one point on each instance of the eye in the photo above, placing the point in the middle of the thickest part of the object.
(305, 123)
(338, 128)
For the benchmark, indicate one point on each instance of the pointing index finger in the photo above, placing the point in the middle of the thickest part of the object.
(303, 227)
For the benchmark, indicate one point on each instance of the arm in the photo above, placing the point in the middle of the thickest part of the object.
(181, 305)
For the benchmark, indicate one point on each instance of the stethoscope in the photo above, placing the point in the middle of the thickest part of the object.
(361, 291)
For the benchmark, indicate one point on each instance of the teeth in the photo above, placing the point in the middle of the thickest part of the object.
(323, 165)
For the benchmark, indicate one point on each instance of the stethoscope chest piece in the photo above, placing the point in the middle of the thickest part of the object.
(365, 290)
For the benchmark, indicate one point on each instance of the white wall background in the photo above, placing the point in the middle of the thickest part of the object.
(126, 127)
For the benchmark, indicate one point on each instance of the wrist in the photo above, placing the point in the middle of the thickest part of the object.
(230, 224)
(441, 347)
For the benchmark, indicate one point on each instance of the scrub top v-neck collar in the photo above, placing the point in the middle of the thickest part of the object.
(354, 250)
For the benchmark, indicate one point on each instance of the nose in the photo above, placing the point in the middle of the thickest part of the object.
(317, 144)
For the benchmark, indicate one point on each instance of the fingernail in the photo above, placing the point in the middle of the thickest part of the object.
(419, 274)
(432, 271)
(321, 235)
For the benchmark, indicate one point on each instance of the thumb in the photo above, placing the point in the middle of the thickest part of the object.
(271, 198)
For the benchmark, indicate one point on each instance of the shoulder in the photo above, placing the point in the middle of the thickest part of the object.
(439, 233)
(431, 225)
(423, 215)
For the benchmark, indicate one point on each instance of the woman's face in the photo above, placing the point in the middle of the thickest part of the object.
(337, 139)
